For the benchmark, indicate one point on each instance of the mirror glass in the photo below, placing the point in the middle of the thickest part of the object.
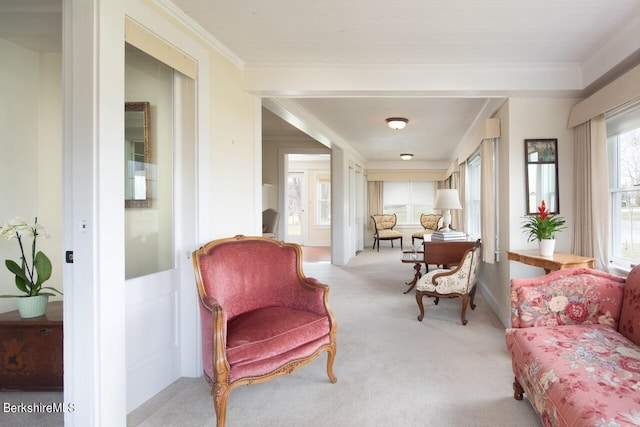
(137, 146)
(541, 168)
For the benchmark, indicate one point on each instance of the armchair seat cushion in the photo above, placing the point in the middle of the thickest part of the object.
(266, 332)
(446, 284)
(389, 234)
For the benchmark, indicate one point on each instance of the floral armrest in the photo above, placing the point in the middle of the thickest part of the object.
(567, 297)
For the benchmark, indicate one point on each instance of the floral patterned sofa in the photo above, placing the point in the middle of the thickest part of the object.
(575, 346)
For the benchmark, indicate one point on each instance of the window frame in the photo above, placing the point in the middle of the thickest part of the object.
(616, 190)
(473, 196)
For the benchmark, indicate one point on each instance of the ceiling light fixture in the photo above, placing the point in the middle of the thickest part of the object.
(397, 123)
(406, 156)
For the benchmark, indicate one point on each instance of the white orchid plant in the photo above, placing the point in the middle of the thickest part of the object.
(30, 274)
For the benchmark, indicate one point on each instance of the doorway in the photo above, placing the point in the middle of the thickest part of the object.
(307, 201)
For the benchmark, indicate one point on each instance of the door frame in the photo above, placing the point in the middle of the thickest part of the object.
(93, 190)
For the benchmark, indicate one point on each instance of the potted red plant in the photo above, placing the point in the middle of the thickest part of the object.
(543, 227)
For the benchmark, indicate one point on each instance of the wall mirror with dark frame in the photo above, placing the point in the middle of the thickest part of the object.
(137, 149)
(541, 169)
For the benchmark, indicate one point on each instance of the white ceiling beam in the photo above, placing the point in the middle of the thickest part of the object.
(444, 80)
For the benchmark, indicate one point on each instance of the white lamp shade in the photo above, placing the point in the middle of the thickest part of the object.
(447, 199)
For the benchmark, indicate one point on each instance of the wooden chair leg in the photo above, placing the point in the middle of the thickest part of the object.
(518, 391)
(464, 299)
(331, 355)
(419, 296)
(472, 295)
(220, 396)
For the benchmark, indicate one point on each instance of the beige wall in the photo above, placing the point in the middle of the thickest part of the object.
(31, 161)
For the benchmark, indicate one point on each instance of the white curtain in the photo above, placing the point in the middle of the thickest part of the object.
(375, 198)
(591, 196)
(487, 203)
(462, 191)
(456, 214)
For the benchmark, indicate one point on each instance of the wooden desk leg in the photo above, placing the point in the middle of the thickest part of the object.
(417, 267)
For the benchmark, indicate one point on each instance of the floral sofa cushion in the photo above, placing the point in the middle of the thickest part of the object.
(567, 298)
(586, 375)
(630, 317)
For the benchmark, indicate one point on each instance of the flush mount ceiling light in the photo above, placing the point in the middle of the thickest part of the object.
(397, 123)
(406, 156)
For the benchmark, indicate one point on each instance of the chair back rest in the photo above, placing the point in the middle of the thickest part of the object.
(245, 273)
(470, 265)
(270, 220)
(431, 221)
(475, 265)
(384, 222)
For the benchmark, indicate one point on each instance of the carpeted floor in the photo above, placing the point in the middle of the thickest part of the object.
(392, 370)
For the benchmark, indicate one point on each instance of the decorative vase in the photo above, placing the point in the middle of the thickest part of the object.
(547, 246)
(32, 306)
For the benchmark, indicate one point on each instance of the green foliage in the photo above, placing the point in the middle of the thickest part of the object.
(541, 227)
(29, 278)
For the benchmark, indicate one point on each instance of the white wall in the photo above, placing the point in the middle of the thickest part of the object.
(31, 147)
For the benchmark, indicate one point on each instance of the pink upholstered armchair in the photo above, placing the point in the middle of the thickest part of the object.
(261, 317)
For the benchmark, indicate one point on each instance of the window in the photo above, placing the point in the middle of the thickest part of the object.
(323, 204)
(408, 200)
(472, 203)
(623, 136)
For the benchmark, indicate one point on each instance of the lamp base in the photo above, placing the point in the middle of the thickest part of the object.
(444, 235)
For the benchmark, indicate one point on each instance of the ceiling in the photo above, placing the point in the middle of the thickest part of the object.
(336, 69)
(461, 36)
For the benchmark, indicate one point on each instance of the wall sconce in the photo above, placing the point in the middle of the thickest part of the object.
(397, 123)
(406, 156)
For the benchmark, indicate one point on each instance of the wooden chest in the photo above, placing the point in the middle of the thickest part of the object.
(31, 350)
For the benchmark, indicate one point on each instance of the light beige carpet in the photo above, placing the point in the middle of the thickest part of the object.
(392, 370)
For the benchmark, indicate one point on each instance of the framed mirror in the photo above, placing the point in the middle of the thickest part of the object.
(137, 151)
(541, 170)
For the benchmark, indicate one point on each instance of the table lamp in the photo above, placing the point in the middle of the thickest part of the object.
(447, 199)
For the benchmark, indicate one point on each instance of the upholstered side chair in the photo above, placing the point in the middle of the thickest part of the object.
(459, 282)
(270, 219)
(384, 229)
(430, 223)
(261, 317)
